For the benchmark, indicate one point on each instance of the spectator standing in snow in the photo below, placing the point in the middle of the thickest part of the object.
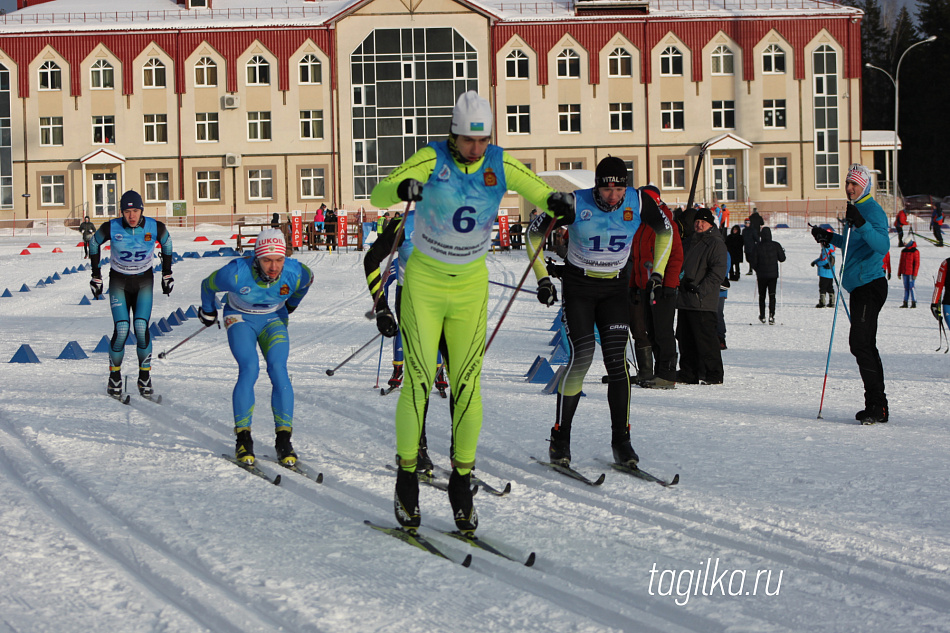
(750, 239)
(768, 254)
(329, 222)
(826, 275)
(863, 278)
(735, 245)
(907, 268)
(87, 228)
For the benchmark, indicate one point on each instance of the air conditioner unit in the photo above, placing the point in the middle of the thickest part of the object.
(232, 160)
(229, 102)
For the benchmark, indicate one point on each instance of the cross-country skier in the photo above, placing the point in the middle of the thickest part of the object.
(263, 290)
(863, 278)
(595, 282)
(133, 238)
(87, 228)
(458, 185)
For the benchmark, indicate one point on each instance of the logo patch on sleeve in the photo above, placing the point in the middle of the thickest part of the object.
(284, 290)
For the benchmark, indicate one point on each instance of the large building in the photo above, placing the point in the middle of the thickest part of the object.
(245, 107)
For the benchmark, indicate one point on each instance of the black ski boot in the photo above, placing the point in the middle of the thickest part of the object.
(114, 387)
(244, 447)
(460, 496)
(559, 452)
(396, 379)
(285, 450)
(406, 499)
(423, 461)
(873, 414)
(145, 383)
(624, 453)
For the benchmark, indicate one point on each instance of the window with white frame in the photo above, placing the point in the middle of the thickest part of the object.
(565, 165)
(102, 75)
(260, 184)
(671, 62)
(209, 185)
(153, 73)
(672, 115)
(722, 61)
(258, 126)
(206, 127)
(53, 190)
(825, 78)
(620, 63)
(103, 130)
(773, 60)
(311, 124)
(568, 64)
(311, 70)
(569, 118)
(519, 119)
(673, 173)
(51, 76)
(258, 71)
(773, 111)
(206, 73)
(776, 171)
(621, 117)
(156, 128)
(723, 115)
(156, 186)
(51, 131)
(516, 65)
(312, 182)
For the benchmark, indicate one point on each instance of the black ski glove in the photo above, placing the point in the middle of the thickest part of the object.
(554, 269)
(168, 284)
(689, 286)
(935, 310)
(547, 293)
(208, 318)
(562, 206)
(290, 308)
(385, 321)
(409, 190)
(854, 216)
(96, 285)
(822, 236)
(813, 264)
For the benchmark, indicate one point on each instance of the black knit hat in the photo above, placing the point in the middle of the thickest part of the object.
(130, 200)
(611, 172)
(706, 215)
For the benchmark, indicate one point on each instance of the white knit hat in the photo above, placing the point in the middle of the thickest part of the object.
(270, 242)
(471, 116)
(859, 175)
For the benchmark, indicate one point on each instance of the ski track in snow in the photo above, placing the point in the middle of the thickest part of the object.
(125, 518)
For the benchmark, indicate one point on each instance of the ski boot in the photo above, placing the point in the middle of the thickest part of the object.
(396, 379)
(114, 387)
(460, 496)
(285, 450)
(423, 461)
(559, 452)
(244, 447)
(145, 383)
(441, 383)
(406, 499)
(624, 453)
(873, 414)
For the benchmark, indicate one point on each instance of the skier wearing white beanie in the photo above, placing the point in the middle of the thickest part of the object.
(458, 185)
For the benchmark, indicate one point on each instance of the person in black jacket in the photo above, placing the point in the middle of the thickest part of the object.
(735, 243)
(87, 228)
(767, 256)
(329, 222)
(750, 239)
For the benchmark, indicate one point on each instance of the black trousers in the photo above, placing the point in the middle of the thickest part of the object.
(866, 303)
(658, 321)
(700, 354)
(766, 284)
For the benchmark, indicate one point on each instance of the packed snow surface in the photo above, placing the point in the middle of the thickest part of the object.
(125, 518)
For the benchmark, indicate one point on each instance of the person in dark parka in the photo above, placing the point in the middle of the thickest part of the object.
(735, 244)
(768, 254)
(750, 239)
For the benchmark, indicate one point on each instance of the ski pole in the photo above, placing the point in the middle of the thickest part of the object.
(514, 294)
(389, 260)
(498, 283)
(834, 320)
(379, 363)
(330, 372)
(203, 328)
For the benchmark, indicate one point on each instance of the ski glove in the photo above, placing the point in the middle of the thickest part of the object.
(813, 264)
(689, 286)
(935, 310)
(822, 236)
(562, 206)
(554, 269)
(208, 318)
(547, 293)
(385, 321)
(409, 190)
(854, 216)
(655, 281)
(290, 308)
(168, 283)
(96, 285)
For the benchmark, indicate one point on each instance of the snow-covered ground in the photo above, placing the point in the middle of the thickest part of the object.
(124, 518)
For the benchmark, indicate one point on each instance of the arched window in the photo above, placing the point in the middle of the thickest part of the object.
(258, 72)
(671, 62)
(773, 60)
(206, 73)
(620, 63)
(311, 71)
(51, 76)
(722, 61)
(154, 74)
(102, 75)
(516, 65)
(568, 64)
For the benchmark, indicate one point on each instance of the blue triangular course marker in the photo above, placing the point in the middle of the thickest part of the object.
(560, 356)
(72, 351)
(534, 367)
(155, 331)
(181, 315)
(56, 277)
(192, 312)
(173, 319)
(24, 288)
(40, 284)
(66, 271)
(24, 355)
(557, 338)
(556, 325)
(85, 301)
(81, 267)
(163, 325)
(6, 293)
(49, 280)
(551, 387)
(74, 269)
(130, 339)
(543, 374)
(105, 261)
(104, 345)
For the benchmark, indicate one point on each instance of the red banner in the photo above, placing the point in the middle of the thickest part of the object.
(296, 228)
(341, 231)
(504, 237)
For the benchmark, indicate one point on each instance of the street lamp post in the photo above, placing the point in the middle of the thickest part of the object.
(895, 79)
